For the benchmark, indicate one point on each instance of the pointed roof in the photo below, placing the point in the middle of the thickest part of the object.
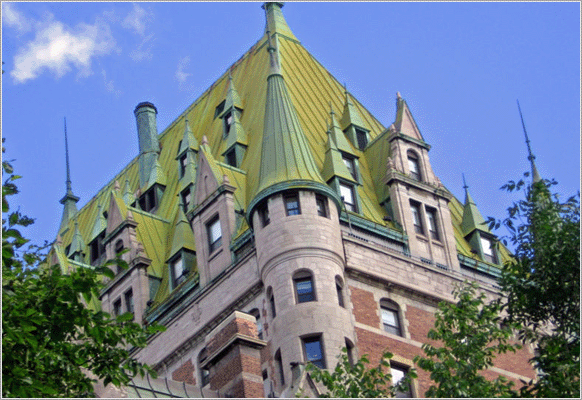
(100, 223)
(183, 235)
(128, 196)
(405, 123)
(189, 142)
(338, 136)
(189, 176)
(351, 115)
(472, 218)
(534, 171)
(69, 201)
(237, 133)
(157, 175)
(334, 164)
(286, 159)
(276, 20)
(77, 244)
(232, 98)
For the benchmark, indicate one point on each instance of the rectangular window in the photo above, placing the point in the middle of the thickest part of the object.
(183, 163)
(219, 108)
(227, 123)
(362, 138)
(416, 218)
(413, 167)
(231, 158)
(129, 301)
(214, 234)
(351, 166)
(279, 362)
(304, 289)
(347, 194)
(272, 303)
(292, 204)
(398, 373)
(98, 249)
(117, 307)
(177, 271)
(321, 203)
(432, 223)
(148, 202)
(264, 215)
(186, 198)
(488, 250)
(340, 294)
(390, 320)
(314, 351)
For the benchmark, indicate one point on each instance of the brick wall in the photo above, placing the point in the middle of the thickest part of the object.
(241, 326)
(185, 373)
(365, 307)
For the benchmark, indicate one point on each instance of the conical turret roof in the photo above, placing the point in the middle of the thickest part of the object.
(472, 218)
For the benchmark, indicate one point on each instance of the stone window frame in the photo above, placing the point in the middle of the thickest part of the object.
(404, 369)
(129, 301)
(271, 300)
(414, 160)
(416, 209)
(432, 218)
(280, 371)
(288, 200)
(255, 312)
(394, 308)
(97, 247)
(301, 276)
(314, 338)
(339, 287)
(203, 371)
(117, 310)
(353, 190)
(321, 205)
(214, 243)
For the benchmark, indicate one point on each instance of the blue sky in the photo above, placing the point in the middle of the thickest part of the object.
(460, 66)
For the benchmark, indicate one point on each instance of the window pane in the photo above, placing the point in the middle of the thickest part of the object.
(321, 206)
(361, 138)
(413, 167)
(486, 244)
(304, 289)
(348, 195)
(292, 205)
(350, 166)
(313, 352)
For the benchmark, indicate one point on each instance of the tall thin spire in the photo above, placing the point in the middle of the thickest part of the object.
(69, 200)
(534, 171)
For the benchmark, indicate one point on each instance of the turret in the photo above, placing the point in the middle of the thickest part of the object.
(147, 132)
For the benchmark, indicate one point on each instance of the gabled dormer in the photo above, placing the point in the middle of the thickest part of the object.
(230, 108)
(96, 240)
(182, 255)
(77, 249)
(128, 196)
(151, 198)
(236, 143)
(188, 146)
(353, 125)
(476, 232)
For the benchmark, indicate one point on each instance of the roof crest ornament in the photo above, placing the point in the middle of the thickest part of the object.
(465, 186)
(534, 171)
(68, 181)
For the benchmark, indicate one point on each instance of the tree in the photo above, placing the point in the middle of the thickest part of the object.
(471, 335)
(49, 336)
(542, 284)
(358, 380)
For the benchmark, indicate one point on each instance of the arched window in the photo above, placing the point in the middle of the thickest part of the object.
(339, 287)
(304, 286)
(390, 317)
(204, 372)
(257, 314)
(279, 362)
(413, 165)
(350, 350)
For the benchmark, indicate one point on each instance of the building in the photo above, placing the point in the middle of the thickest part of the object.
(276, 221)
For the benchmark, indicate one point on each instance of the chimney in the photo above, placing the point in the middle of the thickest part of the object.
(147, 132)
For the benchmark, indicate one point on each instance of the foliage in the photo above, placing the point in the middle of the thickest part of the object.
(358, 380)
(471, 335)
(49, 338)
(542, 284)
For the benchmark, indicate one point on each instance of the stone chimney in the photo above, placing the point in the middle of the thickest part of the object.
(147, 132)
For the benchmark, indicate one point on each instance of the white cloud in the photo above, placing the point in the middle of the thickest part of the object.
(137, 19)
(13, 18)
(143, 50)
(59, 49)
(180, 75)
(109, 85)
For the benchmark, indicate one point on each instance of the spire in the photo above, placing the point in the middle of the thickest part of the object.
(275, 20)
(69, 200)
(232, 100)
(534, 171)
(189, 176)
(351, 115)
(274, 65)
(472, 218)
(405, 123)
(286, 159)
(77, 245)
(183, 235)
(188, 140)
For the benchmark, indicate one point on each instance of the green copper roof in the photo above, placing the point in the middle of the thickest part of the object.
(334, 164)
(276, 21)
(237, 133)
(232, 98)
(183, 235)
(128, 196)
(351, 115)
(77, 244)
(189, 142)
(472, 218)
(157, 175)
(99, 225)
(339, 137)
(69, 210)
(190, 171)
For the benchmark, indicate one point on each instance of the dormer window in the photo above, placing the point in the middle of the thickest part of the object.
(180, 266)
(351, 166)
(361, 138)
(214, 234)
(228, 119)
(489, 254)
(183, 163)
(148, 201)
(97, 249)
(348, 197)
(231, 157)
(186, 199)
(219, 109)
(413, 166)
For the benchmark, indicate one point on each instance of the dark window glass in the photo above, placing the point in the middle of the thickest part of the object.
(117, 307)
(416, 218)
(304, 289)
(183, 163)
(314, 351)
(432, 223)
(272, 304)
(390, 320)
(204, 372)
(186, 199)
(351, 166)
(340, 294)
(231, 158)
(219, 109)
(264, 215)
(129, 301)
(98, 249)
(321, 203)
(227, 123)
(255, 313)
(279, 362)
(413, 166)
(148, 202)
(350, 349)
(362, 138)
(292, 204)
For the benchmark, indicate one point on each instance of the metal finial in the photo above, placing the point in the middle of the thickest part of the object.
(535, 174)
(68, 182)
(331, 108)
(465, 186)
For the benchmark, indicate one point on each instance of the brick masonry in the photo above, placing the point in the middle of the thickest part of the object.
(185, 373)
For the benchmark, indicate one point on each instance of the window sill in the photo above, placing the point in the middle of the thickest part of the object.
(214, 254)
